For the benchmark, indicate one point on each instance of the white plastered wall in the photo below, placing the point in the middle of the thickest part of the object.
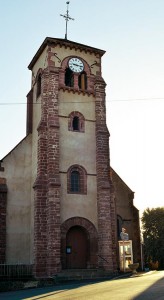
(78, 148)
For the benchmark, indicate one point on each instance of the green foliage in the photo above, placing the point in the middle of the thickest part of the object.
(153, 234)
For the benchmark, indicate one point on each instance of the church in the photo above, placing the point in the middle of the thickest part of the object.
(58, 204)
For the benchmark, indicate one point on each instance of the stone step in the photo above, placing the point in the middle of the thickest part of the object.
(83, 274)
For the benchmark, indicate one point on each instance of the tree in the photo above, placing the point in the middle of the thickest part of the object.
(153, 234)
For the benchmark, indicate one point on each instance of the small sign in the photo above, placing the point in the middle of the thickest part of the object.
(68, 250)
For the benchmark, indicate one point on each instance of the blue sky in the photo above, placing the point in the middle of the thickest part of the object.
(132, 33)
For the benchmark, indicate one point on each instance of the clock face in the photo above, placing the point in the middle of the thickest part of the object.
(76, 65)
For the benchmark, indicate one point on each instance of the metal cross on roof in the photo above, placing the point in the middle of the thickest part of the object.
(67, 18)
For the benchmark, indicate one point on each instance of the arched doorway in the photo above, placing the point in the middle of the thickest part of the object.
(76, 248)
(91, 236)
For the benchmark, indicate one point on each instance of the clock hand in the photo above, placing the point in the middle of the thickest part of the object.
(76, 65)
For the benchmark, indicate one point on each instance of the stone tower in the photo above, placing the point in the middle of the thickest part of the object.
(73, 217)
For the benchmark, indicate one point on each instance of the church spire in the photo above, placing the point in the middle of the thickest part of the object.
(67, 18)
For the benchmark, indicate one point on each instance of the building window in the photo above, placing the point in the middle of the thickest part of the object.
(69, 78)
(82, 81)
(39, 81)
(119, 226)
(76, 180)
(76, 122)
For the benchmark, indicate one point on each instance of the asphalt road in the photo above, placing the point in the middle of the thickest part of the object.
(149, 286)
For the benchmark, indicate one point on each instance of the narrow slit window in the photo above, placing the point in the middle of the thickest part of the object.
(39, 81)
(75, 123)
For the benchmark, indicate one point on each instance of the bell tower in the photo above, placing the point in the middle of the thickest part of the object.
(73, 210)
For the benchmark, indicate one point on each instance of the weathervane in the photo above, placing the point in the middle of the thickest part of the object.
(67, 18)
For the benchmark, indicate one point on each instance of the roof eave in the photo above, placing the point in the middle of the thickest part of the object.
(67, 43)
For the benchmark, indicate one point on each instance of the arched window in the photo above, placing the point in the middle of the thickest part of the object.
(82, 81)
(76, 180)
(76, 122)
(69, 79)
(39, 81)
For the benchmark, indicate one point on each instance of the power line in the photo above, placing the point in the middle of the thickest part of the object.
(107, 101)
(136, 99)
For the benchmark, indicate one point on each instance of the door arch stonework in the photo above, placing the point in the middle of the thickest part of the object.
(91, 232)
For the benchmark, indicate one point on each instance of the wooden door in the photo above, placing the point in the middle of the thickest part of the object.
(76, 248)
